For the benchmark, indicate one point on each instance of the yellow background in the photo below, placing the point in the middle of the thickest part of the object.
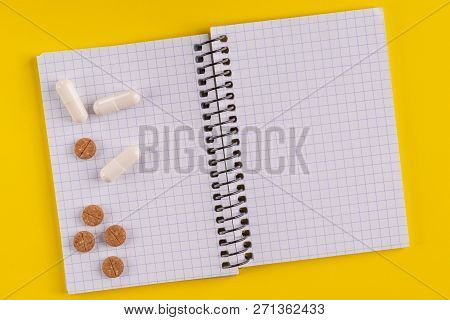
(420, 68)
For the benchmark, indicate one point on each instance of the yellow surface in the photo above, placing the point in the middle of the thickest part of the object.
(420, 69)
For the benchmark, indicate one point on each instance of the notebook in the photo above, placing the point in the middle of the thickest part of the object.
(260, 143)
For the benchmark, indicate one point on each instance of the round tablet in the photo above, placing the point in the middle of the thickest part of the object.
(85, 148)
(112, 267)
(93, 215)
(115, 235)
(84, 241)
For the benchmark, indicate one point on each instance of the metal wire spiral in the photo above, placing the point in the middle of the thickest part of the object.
(235, 155)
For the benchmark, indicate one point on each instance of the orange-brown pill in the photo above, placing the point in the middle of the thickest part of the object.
(93, 215)
(84, 241)
(85, 148)
(115, 235)
(112, 267)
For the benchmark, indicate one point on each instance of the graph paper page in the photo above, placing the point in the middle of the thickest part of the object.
(318, 136)
(164, 203)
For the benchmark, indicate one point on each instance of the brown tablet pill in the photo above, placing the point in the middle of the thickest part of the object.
(84, 241)
(85, 148)
(115, 235)
(112, 267)
(93, 215)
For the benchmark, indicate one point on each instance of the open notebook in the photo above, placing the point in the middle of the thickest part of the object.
(264, 142)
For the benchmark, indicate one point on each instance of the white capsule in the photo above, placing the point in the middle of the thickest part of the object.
(71, 100)
(116, 102)
(119, 164)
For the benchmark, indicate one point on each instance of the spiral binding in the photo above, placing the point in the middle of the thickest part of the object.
(241, 233)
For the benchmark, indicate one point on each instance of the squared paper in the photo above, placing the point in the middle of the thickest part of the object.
(168, 214)
(329, 75)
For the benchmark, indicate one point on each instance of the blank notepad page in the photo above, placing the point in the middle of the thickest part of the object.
(164, 202)
(318, 136)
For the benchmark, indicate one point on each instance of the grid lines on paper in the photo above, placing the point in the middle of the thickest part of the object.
(167, 213)
(314, 74)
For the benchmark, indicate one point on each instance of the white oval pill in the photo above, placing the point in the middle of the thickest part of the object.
(71, 100)
(116, 102)
(120, 164)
